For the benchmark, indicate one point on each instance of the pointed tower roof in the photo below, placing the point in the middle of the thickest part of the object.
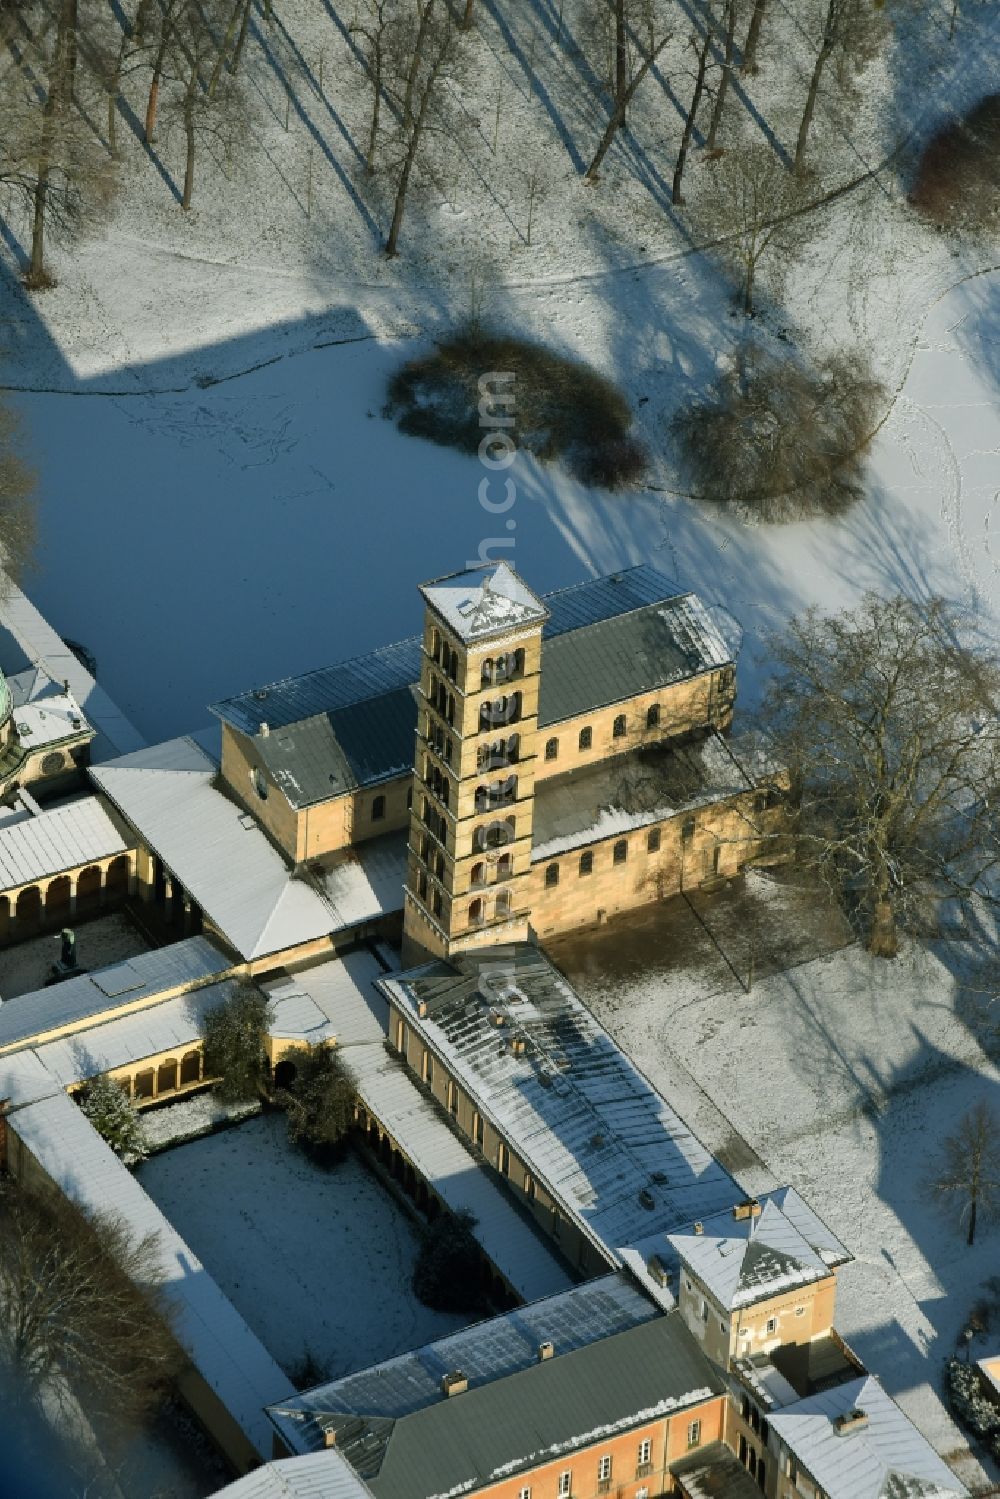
(481, 602)
(751, 1258)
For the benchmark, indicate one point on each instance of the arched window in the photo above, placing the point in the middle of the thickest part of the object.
(512, 748)
(439, 866)
(453, 666)
(586, 738)
(494, 834)
(486, 672)
(479, 874)
(435, 645)
(409, 798)
(653, 716)
(505, 867)
(587, 862)
(551, 749)
(259, 783)
(438, 903)
(551, 875)
(502, 907)
(653, 840)
(378, 809)
(190, 1068)
(422, 887)
(476, 912)
(621, 851)
(620, 726)
(687, 829)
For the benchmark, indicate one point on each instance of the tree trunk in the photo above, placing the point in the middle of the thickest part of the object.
(884, 939)
(190, 100)
(748, 286)
(727, 69)
(226, 43)
(412, 146)
(618, 113)
(621, 58)
(51, 109)
(154, 86)
(376, 103)
(241, 40)
(699, 86)
(753, 37)
(829, 36)
(972, 1221)
(71, 48)
(418, 51)
(467, 16)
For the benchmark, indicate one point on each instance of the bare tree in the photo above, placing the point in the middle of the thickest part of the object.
(375, 33)
(630, 69)
(50, 158)
(852, 31)
(753, 207)
(702, 49)
(430, 53)
(887, 718)
(82, 1308)
(970, 1168)
(17, 509)
(204, 103)
(725, 77)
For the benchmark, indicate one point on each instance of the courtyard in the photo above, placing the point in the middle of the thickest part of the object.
(316, 1260)
(99, 942)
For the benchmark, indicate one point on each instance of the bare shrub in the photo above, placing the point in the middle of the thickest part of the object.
(958, 180)
(562, 409)
(777, 439)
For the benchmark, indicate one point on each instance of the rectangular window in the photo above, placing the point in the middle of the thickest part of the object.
(653, 840)
(427, 1068)
(400, 1036)
(771, 1327)
(694, 1433)
(604, 1469)
(565, 1484)
(645, 1451)
(524, 1493)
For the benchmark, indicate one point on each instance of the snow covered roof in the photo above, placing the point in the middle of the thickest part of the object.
(534, 1415)
(121, 987)
(319, 1475)
(481, 602)
(485, 1352)
(66, 837)
(222, 858)
(220, 1345)
(881, 1457)
(617, 658)
(335, 752)
(604, 1144)
(715, 1472)
(171, 1025)
(42, 650)
(741, 1260)
(342, 989)
(631, 791)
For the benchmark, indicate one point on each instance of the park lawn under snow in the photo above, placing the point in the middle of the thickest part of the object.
(316, 1261)
(842, 1074)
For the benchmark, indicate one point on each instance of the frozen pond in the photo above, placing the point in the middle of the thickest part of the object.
(315, 1261)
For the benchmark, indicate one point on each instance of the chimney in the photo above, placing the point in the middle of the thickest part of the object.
(264, 730)
(658, 1271)
(329, 1436)
(851, 1420)
(422, 1008)
(699, 1228)
(546, 1350)
(454, 1383)
(748, 1208)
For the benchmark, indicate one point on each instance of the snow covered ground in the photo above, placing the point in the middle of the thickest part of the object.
(100, 942)
(842, 1075)
(317, 1262)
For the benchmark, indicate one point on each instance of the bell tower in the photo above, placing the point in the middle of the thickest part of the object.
(469, 860)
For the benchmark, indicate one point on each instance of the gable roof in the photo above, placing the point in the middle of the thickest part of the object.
(536, 1414)
(350, 725)
(884, 1458)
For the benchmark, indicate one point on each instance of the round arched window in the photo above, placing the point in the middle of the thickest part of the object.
(259, 782)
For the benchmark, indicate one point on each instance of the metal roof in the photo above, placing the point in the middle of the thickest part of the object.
(334, 752)
(617, 658)
(66, 837)
(743, 1260)
(884, 1457)
(602, 598)
(485, 1352)
(217, 852)
(63, 1007)
(589, 1126)
(220, 1345)
(319, 1475)
(535, 1415)
(481, 603)
(343, 990)
(631, 791)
